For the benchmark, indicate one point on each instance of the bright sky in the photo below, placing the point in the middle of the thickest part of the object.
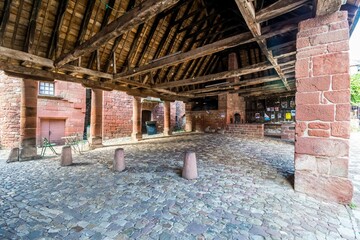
(355, 43)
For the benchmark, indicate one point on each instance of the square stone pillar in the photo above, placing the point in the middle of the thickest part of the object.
(323, 108)
(234, 103)
(167, 130)
(137, 134)
(28, 115)
(189, 118)
(96, 118)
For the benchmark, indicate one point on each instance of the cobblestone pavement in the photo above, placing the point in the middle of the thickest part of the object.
(244, 191)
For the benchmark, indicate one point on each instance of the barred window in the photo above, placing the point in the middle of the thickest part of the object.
(46, 88)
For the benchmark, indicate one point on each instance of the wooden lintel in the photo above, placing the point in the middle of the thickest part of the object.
(278, 8)
(217, 76)
(129, 20)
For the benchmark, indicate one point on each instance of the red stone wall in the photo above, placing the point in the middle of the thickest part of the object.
(158, 114)
(323, 108)
(254, 130)
(288, 132)
(10, 111)
(68, 103)
(117, 118)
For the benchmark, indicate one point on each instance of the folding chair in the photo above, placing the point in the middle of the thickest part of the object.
(47, 144)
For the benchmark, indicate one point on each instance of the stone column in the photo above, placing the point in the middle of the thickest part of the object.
(96, 118)
(323, 108)
(189, 120)
(28, 115)
(137, 134)
(167, 130)
(234, 103)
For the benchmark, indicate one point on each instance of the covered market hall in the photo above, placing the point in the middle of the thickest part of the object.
(177, 119)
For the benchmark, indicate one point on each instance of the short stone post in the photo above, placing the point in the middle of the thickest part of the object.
(190, 169)
(13, 156)
(119, 161)
(66, 157)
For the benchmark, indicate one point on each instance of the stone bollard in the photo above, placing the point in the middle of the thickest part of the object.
(13, 156)
(119, 161)
(66, 157)
(190, 169)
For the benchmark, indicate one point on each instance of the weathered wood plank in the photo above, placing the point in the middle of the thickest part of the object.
(4, 20)
(278, 8)
(324, 7)
(134, 17)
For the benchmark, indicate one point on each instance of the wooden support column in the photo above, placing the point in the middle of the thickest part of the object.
(189, 118)
(96, 118)
(28, 115)
(137, 134)
(167, 130)
(323, 108)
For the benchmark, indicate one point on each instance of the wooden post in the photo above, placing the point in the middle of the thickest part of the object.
(136, 134)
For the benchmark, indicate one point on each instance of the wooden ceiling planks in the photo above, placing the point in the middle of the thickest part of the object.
(146, 52)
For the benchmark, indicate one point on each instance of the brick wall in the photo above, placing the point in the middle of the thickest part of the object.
(68, 103)
(10, 111)
(158, 114)
(323, 108)
(288, 132)
(254, 130)
(117, 118)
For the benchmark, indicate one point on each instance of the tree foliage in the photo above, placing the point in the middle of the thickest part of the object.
(355, 89)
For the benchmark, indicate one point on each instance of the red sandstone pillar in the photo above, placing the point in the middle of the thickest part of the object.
(136, 134)
(96, 118)
(323, 108)
(167, 130)
(189, 120)
(28, 114)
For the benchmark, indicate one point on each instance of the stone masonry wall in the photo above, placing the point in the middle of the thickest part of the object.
(117, 119)
(323, 108)
(68, 103)
(253, 130)
(9, 111)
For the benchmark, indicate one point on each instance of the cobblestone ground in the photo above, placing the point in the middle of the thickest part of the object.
(244, 191)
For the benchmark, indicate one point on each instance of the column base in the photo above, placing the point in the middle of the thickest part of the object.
(136, 136)
(14, 155)
(28, 153)
(167, 132)
(95, 142)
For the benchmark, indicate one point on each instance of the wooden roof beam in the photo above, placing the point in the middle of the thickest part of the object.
(278, 8)
(248, 12)
(209, 49)
(324, 7)
(126, 22)
(217, 76)
(30, 35)
(4, 20)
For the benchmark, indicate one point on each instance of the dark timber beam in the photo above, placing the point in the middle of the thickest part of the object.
(209, 49)
(217, 76)
(278, 8)
(30, 35)
(324, 7)
(56, 29)
(126, 22)
(248, 12)
(4, 20)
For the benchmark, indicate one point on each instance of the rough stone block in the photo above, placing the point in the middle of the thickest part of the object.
(300, 128)
(315, 112)
(319, 133)
(66, 156)
(313, 84)
(343, 112)
(190, 168)
(305, 162)
(323, 166)
(322, 147)
(326, 187)
(319, 125)
(340, 129)
(341, 96)
(323, 20)
(330, 37)
(14, 155)
(341, 82)
(307, 98)
(339, 167)
(302, 68)
(334, 63)
(119, 160)
(338, 46)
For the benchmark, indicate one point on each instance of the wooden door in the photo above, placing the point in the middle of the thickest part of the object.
(53, 130)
